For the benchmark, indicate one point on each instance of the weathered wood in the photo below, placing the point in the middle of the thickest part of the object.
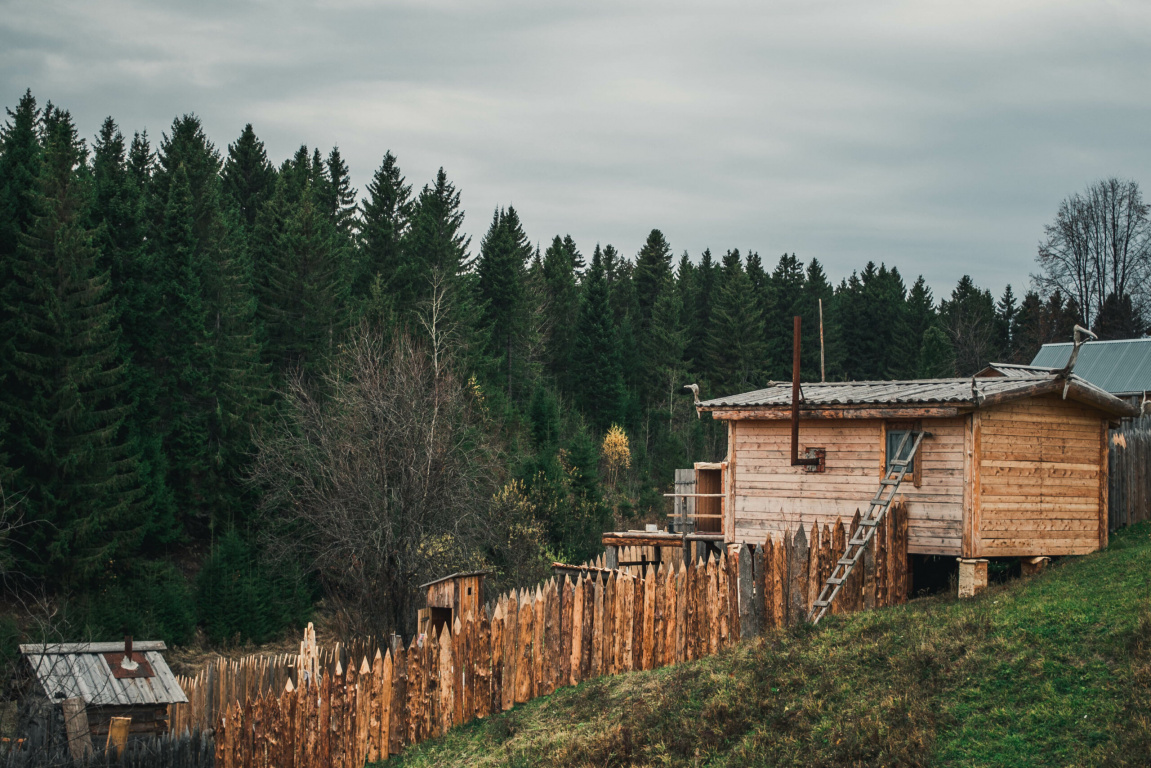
(774, 413)
(539, 649)
(76, 729)
(648, 650)
(523, 649)
(511, 650)
(836, 549)
(797, 576)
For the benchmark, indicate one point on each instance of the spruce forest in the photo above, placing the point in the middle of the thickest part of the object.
(233, 388)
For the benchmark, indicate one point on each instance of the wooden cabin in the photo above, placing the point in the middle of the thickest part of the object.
(95, 682)
(1013, 466)
(456, 595)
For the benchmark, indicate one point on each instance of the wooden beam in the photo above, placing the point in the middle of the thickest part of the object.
(640, 540)
(774, 413)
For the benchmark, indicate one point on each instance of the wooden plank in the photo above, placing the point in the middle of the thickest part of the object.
(648, 649)
(769, 413)
(76, 729)
(570, 628)
(597, 634)
(589, 628)
(511, 649)
(681, 609)
(497, 657)
(797, 574)
(1103, 485)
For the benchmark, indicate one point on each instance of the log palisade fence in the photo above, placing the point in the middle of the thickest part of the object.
(1129, 478)
(560, 633)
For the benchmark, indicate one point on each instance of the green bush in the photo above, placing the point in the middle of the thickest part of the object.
(242, 596)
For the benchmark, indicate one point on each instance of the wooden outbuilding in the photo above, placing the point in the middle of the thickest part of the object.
(96, 682)
(1012, 466)
(450, 596)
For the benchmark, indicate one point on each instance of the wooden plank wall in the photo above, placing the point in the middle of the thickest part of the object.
(1041, 479)
(771, 496)
(1129, 478)
(557, 634)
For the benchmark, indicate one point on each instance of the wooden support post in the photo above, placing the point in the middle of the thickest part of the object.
(117, 735)
(749, 619)
(972, 576)
(612, 560)
(76, 728)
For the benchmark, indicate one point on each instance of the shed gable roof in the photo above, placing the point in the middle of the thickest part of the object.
(1121, 367)
(968, 392)
(80, 669)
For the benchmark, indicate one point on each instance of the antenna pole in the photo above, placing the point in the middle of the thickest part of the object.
(822, 370)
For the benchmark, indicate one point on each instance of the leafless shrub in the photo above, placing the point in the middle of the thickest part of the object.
(381, 475)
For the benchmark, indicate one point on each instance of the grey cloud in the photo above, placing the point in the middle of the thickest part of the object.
(936, 136)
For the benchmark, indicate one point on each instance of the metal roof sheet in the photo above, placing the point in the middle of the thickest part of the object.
(1013, 369)
(966, 391)
(80, 669)
(1121, 366)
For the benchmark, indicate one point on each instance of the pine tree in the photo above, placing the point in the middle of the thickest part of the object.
(782, 303)
(500, 272)
(936, 359)
(435, 245)
(665, 347)
(303, 295)
(1118, 319)
(248, 178)
(652, 275)
(387, 217)
(969, 319)
(735, 345)
(180, 353)
(699, 312)
(118, 214)
(63, 400)
(341, 195)
(577, 260)
(1005, 312)
(596, 357)
(816, 289)
(562, 301)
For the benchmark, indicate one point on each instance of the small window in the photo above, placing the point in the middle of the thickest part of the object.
(894, 438)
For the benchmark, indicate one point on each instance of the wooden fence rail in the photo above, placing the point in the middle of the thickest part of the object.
(559, 633)
(1129, 476)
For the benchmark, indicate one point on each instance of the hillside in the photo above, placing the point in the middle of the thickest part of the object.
(1053, 670)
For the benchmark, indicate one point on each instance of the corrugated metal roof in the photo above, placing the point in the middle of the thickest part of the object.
(967, 391)
(1121, 367)
(80, 669)
(1012, 369)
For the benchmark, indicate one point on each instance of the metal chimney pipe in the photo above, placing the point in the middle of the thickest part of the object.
(797, 324)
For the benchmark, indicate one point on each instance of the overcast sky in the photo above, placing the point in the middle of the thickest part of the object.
(935, 136)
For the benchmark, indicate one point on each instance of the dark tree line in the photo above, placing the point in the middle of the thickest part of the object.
(156, 299)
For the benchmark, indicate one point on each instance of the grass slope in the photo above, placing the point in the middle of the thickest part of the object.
(1050, 671)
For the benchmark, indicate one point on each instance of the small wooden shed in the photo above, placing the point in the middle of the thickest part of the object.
(1014, 465)
(122, 679)
(450, 596)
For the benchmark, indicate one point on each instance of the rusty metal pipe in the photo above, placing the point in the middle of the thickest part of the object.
(795, 460)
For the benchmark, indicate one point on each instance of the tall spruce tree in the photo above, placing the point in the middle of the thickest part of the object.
(562, 305)
(500, 272)
(248, 178)
(735, 345)
(63, 398)
(118, 214)
(783, 302)
(600, 393)
(303, 297)
(387, 217)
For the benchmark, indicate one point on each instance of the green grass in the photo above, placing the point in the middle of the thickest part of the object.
(1054, 670)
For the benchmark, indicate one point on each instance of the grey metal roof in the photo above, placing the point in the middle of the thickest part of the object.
(1013, 369)
(967, 391)
(1121, 367)
(80, 669)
